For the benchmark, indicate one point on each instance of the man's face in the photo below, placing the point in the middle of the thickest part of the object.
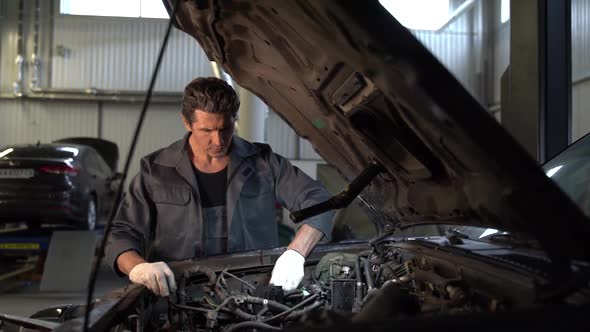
(211, 133)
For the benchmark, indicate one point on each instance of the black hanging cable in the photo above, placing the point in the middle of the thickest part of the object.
(96, 266)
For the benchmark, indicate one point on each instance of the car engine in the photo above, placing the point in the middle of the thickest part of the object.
(389, 281)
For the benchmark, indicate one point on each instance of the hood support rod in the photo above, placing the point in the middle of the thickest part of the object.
(342, 199)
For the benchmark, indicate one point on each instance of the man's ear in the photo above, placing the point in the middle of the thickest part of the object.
(185, 122)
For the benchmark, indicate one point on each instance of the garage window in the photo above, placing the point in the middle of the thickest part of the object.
(504, 10)
(412, 15)
(116, 8)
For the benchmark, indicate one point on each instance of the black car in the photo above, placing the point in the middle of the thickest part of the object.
(473, 234)
(71, 182)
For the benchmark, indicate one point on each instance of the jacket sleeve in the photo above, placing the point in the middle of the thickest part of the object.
(295, 190)
(132, 225)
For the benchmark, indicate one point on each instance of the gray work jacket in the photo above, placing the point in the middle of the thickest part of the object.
(161, 216)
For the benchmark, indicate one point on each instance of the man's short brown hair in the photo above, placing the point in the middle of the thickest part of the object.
(211, 95)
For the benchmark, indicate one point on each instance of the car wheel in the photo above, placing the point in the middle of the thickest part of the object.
(90, 221)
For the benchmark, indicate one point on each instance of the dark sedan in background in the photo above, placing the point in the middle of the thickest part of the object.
(71, 182)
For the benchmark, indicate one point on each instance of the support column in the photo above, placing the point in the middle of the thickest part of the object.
(555, 77)
(537, 102)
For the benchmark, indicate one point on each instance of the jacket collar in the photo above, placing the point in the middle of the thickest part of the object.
(177, 151)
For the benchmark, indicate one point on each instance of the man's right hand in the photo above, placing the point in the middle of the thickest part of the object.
(157, 277)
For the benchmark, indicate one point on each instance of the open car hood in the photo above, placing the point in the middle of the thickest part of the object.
(349, 78)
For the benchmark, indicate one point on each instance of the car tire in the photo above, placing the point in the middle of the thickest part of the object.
(90, 219)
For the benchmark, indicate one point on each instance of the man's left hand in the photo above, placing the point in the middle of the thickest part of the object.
(288, 270)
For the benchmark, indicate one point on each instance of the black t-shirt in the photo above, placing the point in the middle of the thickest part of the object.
(212, 191)
(212, 187)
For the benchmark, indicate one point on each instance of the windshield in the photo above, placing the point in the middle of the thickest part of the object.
(571, 171)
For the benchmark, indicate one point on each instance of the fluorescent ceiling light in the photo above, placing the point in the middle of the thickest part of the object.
(5, 152)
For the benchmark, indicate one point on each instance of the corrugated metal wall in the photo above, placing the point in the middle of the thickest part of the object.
(284, 141)
(30, 121)
(580, 68)
(161, 127)
(281, 138)
(8, 39)
(120, 54)
(501, 57)
(455, 48)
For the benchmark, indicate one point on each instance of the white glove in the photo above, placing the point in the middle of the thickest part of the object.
(157, 277)
(288, 270)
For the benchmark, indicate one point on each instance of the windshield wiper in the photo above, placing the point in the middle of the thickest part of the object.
(456, 232)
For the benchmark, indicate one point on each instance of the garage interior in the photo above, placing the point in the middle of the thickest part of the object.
(73, 75)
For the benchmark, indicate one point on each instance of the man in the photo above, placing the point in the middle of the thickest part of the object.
(211, 193)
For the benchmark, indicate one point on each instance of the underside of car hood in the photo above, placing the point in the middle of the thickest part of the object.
(349, 78)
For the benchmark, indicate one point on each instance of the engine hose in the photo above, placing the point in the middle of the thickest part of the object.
(195, 269)
(182, 291)
(270, 303)
(301, 304)
(293, 296)
(235, 309)
(222, 296)
(258, 325)
(298, 313)
(219, 292)
(242, 314)
(389, 302)
(256, 300)
(368, 276)
(359, 281)
(232, 307)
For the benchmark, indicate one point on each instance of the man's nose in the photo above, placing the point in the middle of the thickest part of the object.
(217, 138)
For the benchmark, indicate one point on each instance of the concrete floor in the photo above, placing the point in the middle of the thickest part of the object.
(25, 298)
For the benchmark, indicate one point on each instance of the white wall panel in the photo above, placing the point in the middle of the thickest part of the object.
(26, 121)
(454, 47)
(580, 38)
(306, 151)
(161, 127)
(281, 138)
(580, 110)
(120, 54)
(580, 68)
(501, 58)
(8, 39)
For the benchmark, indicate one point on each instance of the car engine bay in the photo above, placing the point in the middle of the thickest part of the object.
(392, 280)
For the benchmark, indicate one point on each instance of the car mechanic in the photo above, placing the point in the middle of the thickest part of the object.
(212, 193)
